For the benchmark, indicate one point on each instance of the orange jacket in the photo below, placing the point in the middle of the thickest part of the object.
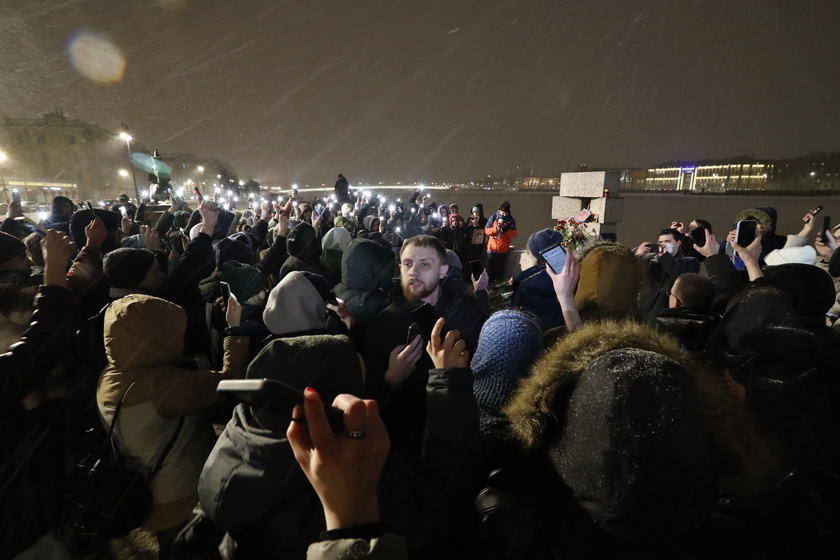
(499, 241)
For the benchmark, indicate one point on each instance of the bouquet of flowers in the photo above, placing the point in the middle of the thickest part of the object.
(574, 233)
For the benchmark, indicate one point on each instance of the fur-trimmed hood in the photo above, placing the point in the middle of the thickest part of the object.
(765, 215)
(636, 429)
(537, 407)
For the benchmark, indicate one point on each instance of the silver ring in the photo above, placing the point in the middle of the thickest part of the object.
(361, 434)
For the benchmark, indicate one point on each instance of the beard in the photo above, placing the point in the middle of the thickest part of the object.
(420, 293)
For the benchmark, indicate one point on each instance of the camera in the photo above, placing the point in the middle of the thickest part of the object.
(503, 223)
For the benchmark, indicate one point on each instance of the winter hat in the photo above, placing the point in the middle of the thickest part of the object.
(801, 255)
(10, 247)
(60, 201)
(82, 218)
(543, 239)
(336, 239)
(229, 249)
(508, 345)
(294, 305)
(809, 288)
(126, 267)
(248, 239)
(134, 241)
(245, 281)
(475, 209)
(302, 242)
(760, 331)
(505, 205)
(340, 222)
(327, 363)
(634, 447)
(346, 209)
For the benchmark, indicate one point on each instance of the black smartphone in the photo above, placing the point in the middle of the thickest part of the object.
(698, 236)
(425, 317)
(826, 225)
(745, 231)
(275, 397)
(413, 331)
(555, 257)
(814, 212)
(90, 209)
(197, 192)
(476, 268)
(16, 196)
(225, 289)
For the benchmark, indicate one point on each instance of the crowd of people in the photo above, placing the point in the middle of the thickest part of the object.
(672, 400)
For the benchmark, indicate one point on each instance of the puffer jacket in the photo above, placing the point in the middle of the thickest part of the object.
(498, 240)
(144, 341)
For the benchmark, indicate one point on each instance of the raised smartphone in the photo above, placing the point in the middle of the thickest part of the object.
(555, 257)
(274, 397)
(745, 231)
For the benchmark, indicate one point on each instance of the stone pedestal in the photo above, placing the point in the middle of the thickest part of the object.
(596, 191)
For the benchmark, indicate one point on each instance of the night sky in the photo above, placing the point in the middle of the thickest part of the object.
(428, 90)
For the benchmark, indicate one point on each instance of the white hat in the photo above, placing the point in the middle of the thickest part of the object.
(802, 255)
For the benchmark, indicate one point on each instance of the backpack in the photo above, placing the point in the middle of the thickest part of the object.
(104, 497)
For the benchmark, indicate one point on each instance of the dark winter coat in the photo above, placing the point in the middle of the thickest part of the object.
(534, 291)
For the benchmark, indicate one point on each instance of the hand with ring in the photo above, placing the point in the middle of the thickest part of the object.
(343, 468)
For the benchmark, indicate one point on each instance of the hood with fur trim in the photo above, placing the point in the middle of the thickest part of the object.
(537, 409)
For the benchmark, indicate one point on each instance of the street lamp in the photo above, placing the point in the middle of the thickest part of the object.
(127, 138)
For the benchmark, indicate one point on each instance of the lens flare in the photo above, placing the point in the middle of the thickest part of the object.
(95, 57)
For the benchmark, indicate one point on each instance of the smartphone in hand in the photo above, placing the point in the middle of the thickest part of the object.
(275, 398)
(425, 318)
(698, 236)
(555, 257)
(745, 231)
(476, 268)
(826, 225)
(225, 289)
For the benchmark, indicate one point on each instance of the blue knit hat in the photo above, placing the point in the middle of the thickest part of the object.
(508, 345)
(543, 239)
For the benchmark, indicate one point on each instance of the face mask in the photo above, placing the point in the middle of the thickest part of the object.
(671, 248)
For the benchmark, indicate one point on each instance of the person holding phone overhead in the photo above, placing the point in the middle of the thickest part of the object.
(533, 289)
